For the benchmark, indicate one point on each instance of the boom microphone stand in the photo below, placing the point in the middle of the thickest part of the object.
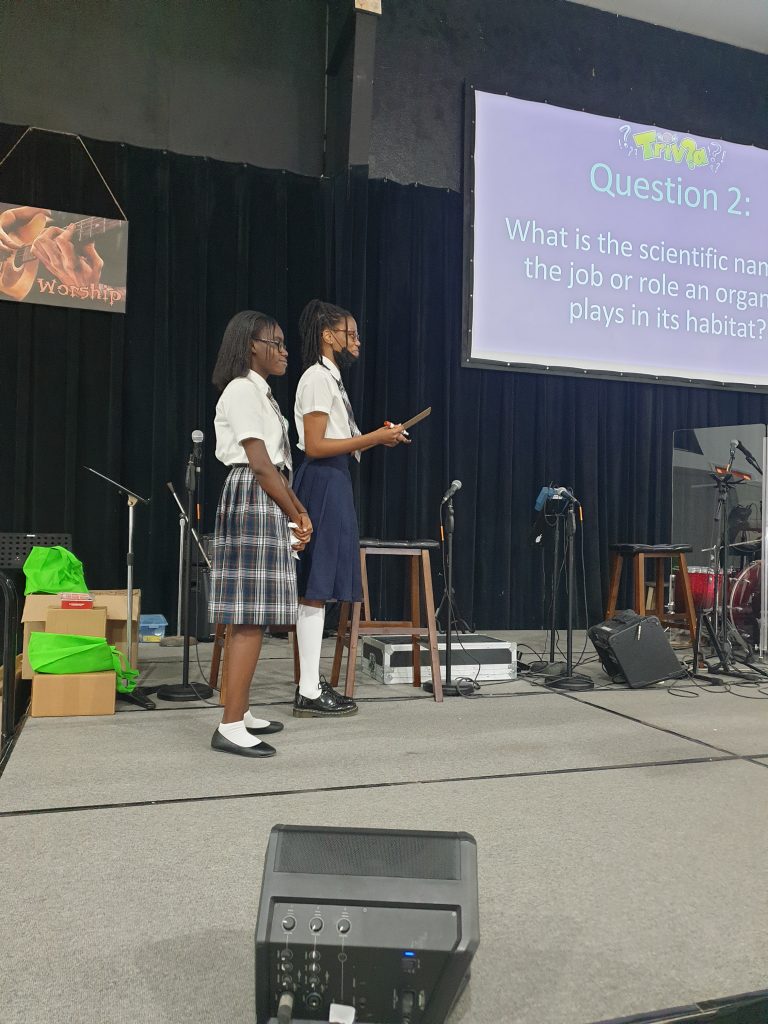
(185, 690)
(135, 696)
(184, 525)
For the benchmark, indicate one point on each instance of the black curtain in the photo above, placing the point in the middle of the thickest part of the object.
(123, 393)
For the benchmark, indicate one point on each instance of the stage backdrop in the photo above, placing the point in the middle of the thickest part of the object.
(123, 394)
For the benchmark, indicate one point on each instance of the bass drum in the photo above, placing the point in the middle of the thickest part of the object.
(746, 595)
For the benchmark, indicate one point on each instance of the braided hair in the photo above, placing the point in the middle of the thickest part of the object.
(316, 317)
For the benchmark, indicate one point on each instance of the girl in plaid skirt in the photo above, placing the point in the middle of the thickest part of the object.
(253, 577)
(329, 568)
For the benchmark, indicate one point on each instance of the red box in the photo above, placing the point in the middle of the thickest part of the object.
(76, 600)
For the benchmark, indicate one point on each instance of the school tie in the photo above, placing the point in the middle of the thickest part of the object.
(354, 429)
(286, 451)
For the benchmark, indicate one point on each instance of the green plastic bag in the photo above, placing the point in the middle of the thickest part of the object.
(53, 571)
(61, 654)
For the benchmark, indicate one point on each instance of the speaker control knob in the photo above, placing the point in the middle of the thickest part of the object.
(314, 968)
(316, 924)
(314, 955)
(343, 926)
(289, 923)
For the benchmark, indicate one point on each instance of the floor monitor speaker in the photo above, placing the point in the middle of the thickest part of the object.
(634, 649)
(382, 921)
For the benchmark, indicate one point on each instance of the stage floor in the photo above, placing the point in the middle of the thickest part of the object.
(621, 841)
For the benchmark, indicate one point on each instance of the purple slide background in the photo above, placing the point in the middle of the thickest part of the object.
(533, 162)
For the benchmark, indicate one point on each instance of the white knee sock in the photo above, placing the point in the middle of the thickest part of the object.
(254, 723)
(309, 633)
(237, 733)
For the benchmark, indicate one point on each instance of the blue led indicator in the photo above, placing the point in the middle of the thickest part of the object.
(408, 953)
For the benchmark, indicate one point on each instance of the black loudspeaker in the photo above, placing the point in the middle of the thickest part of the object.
(634, 649)
(200, 590)
(381, 920)
(199, 594)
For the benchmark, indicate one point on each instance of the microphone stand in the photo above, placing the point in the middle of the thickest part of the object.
(186, 691)
(571, 680)
(136, 696)
(449, 526)
(554, 669)
(178, 638)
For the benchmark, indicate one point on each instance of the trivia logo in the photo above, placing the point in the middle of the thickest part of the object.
(653, 144)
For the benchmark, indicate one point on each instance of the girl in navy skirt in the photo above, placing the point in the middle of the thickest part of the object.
(329, 568)
(253, 576)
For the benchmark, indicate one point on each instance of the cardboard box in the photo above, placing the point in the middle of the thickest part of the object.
(91, 693)
(77, 621)
(36, 608)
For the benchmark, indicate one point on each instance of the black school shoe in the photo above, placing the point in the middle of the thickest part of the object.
(219, 742)
(328, 705)
(263, 730)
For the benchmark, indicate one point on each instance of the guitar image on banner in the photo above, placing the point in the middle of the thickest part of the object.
(51, 258)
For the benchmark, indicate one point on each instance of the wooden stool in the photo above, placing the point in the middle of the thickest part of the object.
(659, 553)
(350, 631)
(219, 656)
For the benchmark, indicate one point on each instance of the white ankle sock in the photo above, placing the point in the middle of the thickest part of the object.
(254, 723)
(309, 634)
(236, 733)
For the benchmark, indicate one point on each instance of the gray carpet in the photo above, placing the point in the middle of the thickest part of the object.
(273, 681)
(602, 894)
(151, 756)
(736, 723)
(623, 859)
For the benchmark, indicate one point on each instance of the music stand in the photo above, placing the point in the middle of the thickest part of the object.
(133, 500)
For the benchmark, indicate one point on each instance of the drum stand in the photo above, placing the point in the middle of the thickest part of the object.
(728, 644)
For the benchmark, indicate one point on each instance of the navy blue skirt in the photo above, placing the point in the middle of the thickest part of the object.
(329, 566)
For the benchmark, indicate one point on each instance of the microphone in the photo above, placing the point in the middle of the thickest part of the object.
(455, 486)
(197, 444)
(551, 494)
(746, 453)
(563, 492)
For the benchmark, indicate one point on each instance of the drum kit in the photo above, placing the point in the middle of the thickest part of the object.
(744, 586)
(728, 599)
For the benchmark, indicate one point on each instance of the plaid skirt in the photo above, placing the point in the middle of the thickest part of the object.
(253, 574)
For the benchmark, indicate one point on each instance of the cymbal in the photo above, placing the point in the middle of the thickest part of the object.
(747, 547)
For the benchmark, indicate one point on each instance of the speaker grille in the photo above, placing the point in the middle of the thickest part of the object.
(382, 854)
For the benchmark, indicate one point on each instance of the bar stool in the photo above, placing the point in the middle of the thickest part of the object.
(219, 656)
(351, 627)
(658, 553)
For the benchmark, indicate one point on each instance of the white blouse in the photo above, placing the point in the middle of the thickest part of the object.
(319, 391)
(245, 411)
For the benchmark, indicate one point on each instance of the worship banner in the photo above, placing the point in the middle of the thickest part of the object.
(62, 259)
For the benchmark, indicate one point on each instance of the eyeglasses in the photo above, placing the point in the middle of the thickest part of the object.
(350, 335)
(279, 345)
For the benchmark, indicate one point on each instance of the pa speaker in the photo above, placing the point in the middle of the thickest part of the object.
(380, 920)
(634, 649)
